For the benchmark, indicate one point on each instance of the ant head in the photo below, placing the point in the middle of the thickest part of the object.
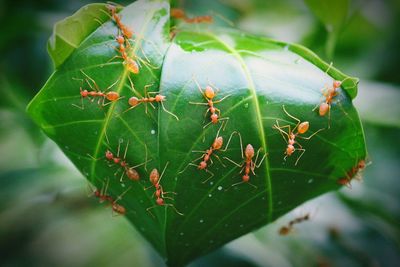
(112, 96)
(361, 164)
(337, 84)
(160, 98)
(160, 201)
(116, 160)
(154, 176)
(303, 127)
(249, 151)
(246, 178)
(132, 174)
(84, 93)
(133, 101)
(344, 181)
(111, 8)
(109, 155)
(120, 39)
(218, 142)
(323, 109)
(202, 165)
(214, 118)
(209, 92)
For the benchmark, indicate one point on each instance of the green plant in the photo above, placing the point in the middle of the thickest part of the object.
(258, 76)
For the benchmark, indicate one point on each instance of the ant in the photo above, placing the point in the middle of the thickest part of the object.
(101, 194)
(353, 173)
(158, 98)
(287, 229)
(247, 164)
(329, 94)
(126, 31)
(130, 172)
(209, 95)
(179, 13)
(95, 91)
(290, 136)
(206, 156)
(155, 179)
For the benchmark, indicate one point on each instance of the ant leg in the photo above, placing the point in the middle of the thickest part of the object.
(170, 205)
(169, 112)
(190, 164)
(293, 117)
(262, 159)
(235, 163)
(302, 152)
(198, 103)
(229, 140)
(215, 102)
(330, 66)
(211, 176)
(282, 132)
(201, 91)
(148, 210)
(91, 79)
(161, 176)
(219, 159)
(309, 137)
(132, 87)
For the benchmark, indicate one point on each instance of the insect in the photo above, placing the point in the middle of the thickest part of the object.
(150, 97)
(209, 94)
(206, 155)
(95, 91)
(179, 13)
(155, 179)
(291, 135)
(125, 30)
(287, 229)
(130, 172)
(325, 106)
(248, 164)
(130, 64)
(353, 173)
(103, 197)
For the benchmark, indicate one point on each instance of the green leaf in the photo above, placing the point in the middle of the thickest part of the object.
(257, 76)
(70, 32)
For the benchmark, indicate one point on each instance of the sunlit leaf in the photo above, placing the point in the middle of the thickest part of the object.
(256, 77)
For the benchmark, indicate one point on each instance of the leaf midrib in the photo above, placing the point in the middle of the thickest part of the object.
(260, 125)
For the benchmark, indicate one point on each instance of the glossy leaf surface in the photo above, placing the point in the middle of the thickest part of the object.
(254, 76)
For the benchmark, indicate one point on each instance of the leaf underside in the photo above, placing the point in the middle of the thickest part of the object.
(256, 75)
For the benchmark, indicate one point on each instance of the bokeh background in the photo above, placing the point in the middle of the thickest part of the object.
(47, 217)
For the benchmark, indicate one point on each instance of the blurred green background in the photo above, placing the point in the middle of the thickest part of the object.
(47, 217)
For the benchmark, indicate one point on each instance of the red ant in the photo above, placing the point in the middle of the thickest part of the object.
(155, 179)
(329, 94)
(158, 98)
(300, 128)
(130, 172)
(247, 164)
(101, 194)
(179, 13)
(95, 91)
(285, 230)
(209, 95)
(126, 31)
(353, 173)
(216, 146)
